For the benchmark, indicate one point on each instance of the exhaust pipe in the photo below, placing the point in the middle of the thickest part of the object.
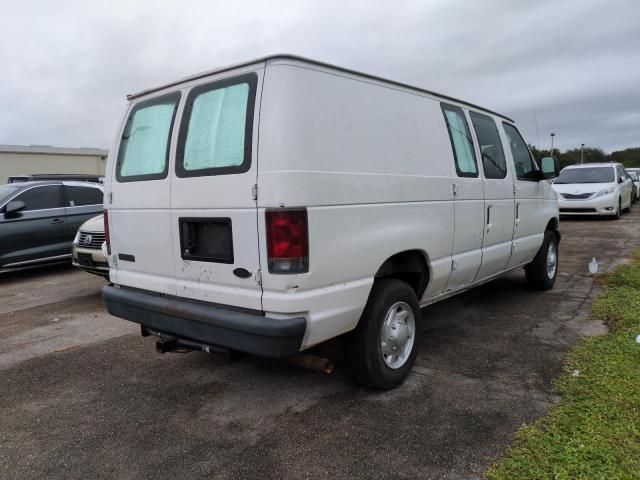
(312, 362)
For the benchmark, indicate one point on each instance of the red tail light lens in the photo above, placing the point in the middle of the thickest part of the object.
(106, 231)
(287, 241)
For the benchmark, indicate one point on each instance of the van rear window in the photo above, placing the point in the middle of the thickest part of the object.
(144, 147)
(215, 136)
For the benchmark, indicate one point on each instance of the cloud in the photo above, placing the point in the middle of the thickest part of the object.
(67, 66)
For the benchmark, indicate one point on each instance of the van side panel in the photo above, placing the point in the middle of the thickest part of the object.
(372, 165)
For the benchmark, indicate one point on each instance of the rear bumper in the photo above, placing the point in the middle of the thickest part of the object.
(250, 332)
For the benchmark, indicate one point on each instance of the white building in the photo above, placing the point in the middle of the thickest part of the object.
(39, 159)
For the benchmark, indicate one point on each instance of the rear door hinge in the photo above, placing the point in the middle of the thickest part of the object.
(254, 191)
(259, 277)
(454, 264)
(455, 189)
(514, 188)
(110, 196)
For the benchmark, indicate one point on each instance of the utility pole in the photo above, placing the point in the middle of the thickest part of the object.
(552, 135)
(582, 154)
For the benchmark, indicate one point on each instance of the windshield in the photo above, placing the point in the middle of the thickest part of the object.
(586, 175)
(6, 191)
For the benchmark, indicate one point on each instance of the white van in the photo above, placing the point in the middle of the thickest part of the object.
(272, 205)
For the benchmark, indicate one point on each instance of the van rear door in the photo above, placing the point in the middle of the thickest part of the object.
(138, 197)
(213, 192)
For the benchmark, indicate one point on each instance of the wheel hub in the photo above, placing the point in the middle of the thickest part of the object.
(552, 260)
(398, 335)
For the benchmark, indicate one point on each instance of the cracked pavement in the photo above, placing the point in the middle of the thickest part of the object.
(84, 396)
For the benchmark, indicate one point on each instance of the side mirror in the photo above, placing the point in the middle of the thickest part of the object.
(550, 167)
(13, 208)
(620, 179)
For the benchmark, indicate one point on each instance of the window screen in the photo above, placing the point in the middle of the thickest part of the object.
(493, 161)
(522, 160)
(41, 198)
(78, 196)
(215, 137)
(461, 142)
(144, 148)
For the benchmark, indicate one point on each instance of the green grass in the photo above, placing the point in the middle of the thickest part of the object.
(595, 430)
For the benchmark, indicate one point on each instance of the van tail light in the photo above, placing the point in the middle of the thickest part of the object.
(287, 240)
(107, 239)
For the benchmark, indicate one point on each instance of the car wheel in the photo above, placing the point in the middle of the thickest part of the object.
(383, 347)
(542, 271)
(616, 215)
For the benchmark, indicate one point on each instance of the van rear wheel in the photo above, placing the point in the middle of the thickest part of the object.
(542, 271)
(382, 349)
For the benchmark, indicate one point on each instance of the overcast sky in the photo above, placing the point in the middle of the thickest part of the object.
(67, 66)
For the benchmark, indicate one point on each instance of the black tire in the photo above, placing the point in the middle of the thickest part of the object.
(616, 216)
(363, 348)
(536, 272)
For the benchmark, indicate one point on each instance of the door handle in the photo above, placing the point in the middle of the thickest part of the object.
(517, 213)
(57, 220)
(489, 218)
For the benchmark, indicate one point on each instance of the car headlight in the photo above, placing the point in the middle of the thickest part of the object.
(605, 191)
(76, 239)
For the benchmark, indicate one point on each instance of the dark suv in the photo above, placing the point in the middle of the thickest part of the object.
(38, 220)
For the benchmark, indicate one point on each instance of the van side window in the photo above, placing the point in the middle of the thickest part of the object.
(215, 136)
(522, 160)
(461, 142)
(144, 147)
(494, 164)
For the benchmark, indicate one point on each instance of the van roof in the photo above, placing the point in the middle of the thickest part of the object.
(287, 56)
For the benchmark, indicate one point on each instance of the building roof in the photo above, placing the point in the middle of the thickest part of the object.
(49, 150)
(287, 56)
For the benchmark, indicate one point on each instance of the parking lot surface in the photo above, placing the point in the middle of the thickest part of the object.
(84, 396)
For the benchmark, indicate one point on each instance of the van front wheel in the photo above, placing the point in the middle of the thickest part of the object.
(542, 271)
(383, 347)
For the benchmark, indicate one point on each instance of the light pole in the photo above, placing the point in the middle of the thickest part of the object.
(551, 153)
(582, 153)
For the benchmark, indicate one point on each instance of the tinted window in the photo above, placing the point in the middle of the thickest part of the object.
(78, 196)
(522, 160)
(461, 142)
(622, 173)
(144, 147)
(40, 198)
(493, 162)
(586, 175)
(215, 137)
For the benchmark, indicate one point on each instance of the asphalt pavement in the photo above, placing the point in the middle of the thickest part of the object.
(84, 396)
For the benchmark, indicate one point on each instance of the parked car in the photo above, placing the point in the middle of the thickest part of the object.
(372, 199)
(636, 185)
(594, 189)
(86, 252)
(38, 220)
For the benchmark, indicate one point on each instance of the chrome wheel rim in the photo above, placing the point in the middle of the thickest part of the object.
(552, 260)
(398, 335)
